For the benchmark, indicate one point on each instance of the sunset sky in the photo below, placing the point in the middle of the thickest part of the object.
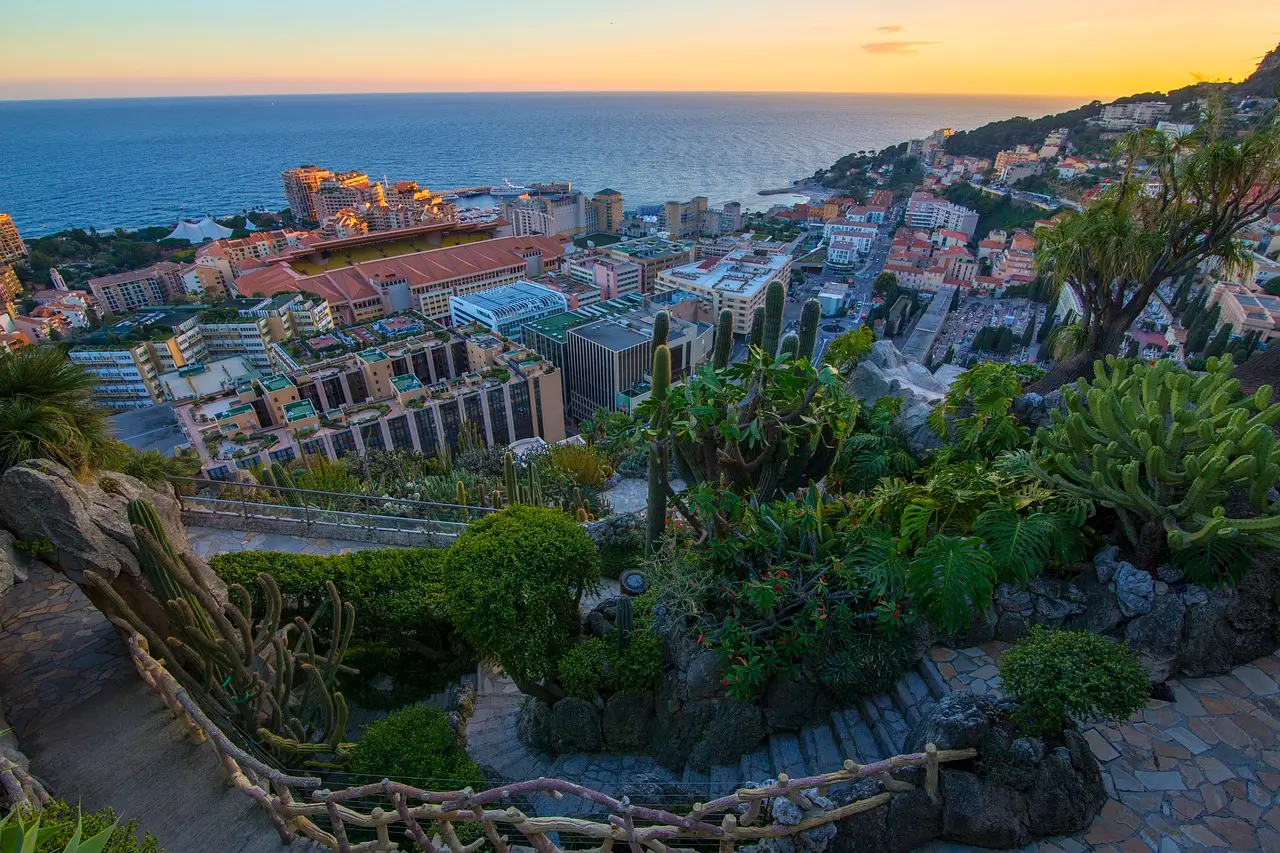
(1089, 48)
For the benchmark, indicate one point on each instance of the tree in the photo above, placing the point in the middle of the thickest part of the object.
(47, 412)
(1004, 341)
(1208, 185)
(951, 355)
(981, 338)
(1046, 327)
(955, 299)
(1218, 345)
(1132, 350)
(1028, 334)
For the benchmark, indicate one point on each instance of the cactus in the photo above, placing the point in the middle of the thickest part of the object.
(810, 316)
(656, 512)
(624, 621)
(661, 329)
(789, 347)
(462, 494)
(495, 499)
(157, 554)
(1164, 447)
(509, 478)
(774, 302)
(582, 516)
(724, 340)
(756, 339)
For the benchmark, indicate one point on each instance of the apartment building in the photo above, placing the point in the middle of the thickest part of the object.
(610, 361)
(344, 190)
(127, 291)
(604, 212)
(611, 277)
(1247, 310)
(847, 240)
(421, 280)
(737, 281)
(1131, 115)
(417, 394)
(300, 187)
(11, 246)
(1005, 160)
(10, 287)
(926, 211)
(125, 374)
(653, 255)
(564, 215)
(505, 310)
(683, 219)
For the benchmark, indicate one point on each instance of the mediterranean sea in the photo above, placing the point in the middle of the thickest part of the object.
(135, 162)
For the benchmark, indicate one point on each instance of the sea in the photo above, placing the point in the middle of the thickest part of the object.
(135, 162)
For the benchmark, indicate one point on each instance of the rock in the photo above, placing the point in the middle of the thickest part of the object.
(649, 788)
(983, 629)
(12, 562)
(1036, 410)
(1229, 627)
(597, 623)
(912, 423)
(1193, 595)
(382, 682)
(1011, 627)
(884, 372)
(627, 721)
(1052, 612)
(1010, 599)
(1104, 562)
(908, 821)
(982, 813)
(576, 724)
(734, 730)
(958, 721)
(1157, 636)
(1101, 613)
(787, 706)
(1063, 800)
(1135, 589)
(1169, 573)
(704, 678)
(815, 840)
(786, 812)
(535, 727)
(1029, 750)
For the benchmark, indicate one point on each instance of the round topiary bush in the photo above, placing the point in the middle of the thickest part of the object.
(515, 580)
(1062, 676)
(413, 744)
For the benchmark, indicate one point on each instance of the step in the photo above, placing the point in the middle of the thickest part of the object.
(884, 739)
(821, 752)
(756, 766)
(893, 720)
(784, 750)
(856, 737)
(725, 779)
(933, 678)
(904, 702)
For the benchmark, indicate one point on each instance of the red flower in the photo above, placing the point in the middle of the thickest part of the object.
(702, 640)
(725, 683)
(783, 640)
(777, 587)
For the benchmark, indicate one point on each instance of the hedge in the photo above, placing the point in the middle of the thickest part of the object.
(413, 745)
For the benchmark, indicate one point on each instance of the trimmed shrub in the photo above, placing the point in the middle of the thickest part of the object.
(123, 840)
(597, 665)
(582, 668)
(413, 745)
(1059, 677)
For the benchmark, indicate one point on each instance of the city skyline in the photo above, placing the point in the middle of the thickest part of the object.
(77, 49)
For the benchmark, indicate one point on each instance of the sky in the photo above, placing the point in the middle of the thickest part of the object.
(1088, 48)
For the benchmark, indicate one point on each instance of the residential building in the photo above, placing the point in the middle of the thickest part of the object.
(723, 220)
(506, 309)
(926, 211)
(604, 212)
(549, 336)
(343, 224)
(653, 255)
(126, 291)
(125, 374)
(10, 287)
(1131, 115)
(846, 240)
(417, 394)
(1005, 160)
(257, 246)
(423, 278)
(1247, 310)
(11, 246)
(344, 190)
(72, 308)
(737, 282)
(1018, 171)
(553, 215)
(612, 277)
(683, 220)
(610, 361)
(300, 187)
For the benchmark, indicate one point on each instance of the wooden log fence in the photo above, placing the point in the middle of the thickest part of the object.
(427, 818)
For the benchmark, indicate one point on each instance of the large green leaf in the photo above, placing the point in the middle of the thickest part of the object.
(1020, 545)
(950, 579)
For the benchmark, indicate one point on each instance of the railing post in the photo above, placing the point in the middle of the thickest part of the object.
(306, 516)
(931, 772)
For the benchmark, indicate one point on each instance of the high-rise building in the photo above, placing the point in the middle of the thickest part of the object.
(612, 277)
(926, 211)
(345, 190)
(10, 287)
(604, 212)
(126, 291)
(11, 246)
(300, 187)
(737, 281)
(506, 309)
(683, 219)
(564, 214)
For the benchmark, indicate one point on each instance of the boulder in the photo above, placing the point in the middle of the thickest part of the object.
(13, 563)
(1135, 589)
(982, 813)
(704, 677)
(1036, 410)
(733, 730)
(959, 721)
(627, 721)
(1157, 636)
(908, 821)
(790, 706)
(535, 727)
(1101, 611)
(576, 725)
(649, 788)
(884, 372)
(1104, 562)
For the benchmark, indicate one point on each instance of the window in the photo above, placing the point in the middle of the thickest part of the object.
(498, 416)
(451, 421)
(475, 413)
(537, 400)
(284, 454)
(314, 447)
(520, 411)
(343, 443)
(440, 359)
(334, 393)
(400, 436)
(422, 367)
(359, 391)
(425, 421)
(372, 436)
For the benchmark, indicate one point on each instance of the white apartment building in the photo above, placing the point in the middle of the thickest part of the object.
(926, 211)
(738, 282)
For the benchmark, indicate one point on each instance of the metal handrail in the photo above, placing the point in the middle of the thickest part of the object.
(202, 482)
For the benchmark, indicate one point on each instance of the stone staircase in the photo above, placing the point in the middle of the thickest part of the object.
(875, 727)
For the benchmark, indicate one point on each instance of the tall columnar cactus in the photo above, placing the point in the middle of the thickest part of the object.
(656, 512)
(789, 347)
(156, 554)
(462, 494)
(724, 340)
(509, 478)
(624, 620)
(1163, 447)
(661, 329)
(774, 301)
(810, 316)
(756, 338)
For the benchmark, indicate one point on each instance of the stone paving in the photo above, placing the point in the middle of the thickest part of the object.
(1200, 773)
(56, 650)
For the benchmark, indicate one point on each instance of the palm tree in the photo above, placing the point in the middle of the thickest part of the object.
(47, 411)
(1179, 202)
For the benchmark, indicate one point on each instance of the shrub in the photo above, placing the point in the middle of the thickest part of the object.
(123, 840)
(584, 464)
(1061, 676)
(516, 578)
(411, 745)
(597, 665)
(864, 663)
(582, 668)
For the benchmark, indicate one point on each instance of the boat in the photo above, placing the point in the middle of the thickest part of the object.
(450, 197)
(508, 190)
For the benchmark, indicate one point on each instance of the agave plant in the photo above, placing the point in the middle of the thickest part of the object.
(18, 836)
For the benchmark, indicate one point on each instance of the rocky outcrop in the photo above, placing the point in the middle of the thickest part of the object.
(885, 372)
(1020, 788)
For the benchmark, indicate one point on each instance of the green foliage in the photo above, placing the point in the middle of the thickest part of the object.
(1022, 544)
(516, 579)
(123, 835)
(1163, 447)
(995, 212)
(34, 548)
(152, 466)
(1060, 677)
(847, 348)
(975, 420)
(414, 745)
(774, 302)
(584, 464)
(864, 663)
(600, 665)
(810, 317)
(757, 327)
(872, 450)
(661, 329)
(951, 579)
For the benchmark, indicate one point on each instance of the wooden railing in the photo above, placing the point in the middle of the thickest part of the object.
(291, 802)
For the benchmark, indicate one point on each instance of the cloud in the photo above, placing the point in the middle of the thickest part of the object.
(892, 29)
(896, 48)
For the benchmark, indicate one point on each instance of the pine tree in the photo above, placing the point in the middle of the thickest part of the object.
(1028, 334)
(955, 299)
(1218, 345)
(1004, 342)
(982, 338)
(928, 362)
(1132, 351)
(1046, 327)
(951, 355)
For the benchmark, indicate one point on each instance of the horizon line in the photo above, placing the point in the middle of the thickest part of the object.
(18, 100)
